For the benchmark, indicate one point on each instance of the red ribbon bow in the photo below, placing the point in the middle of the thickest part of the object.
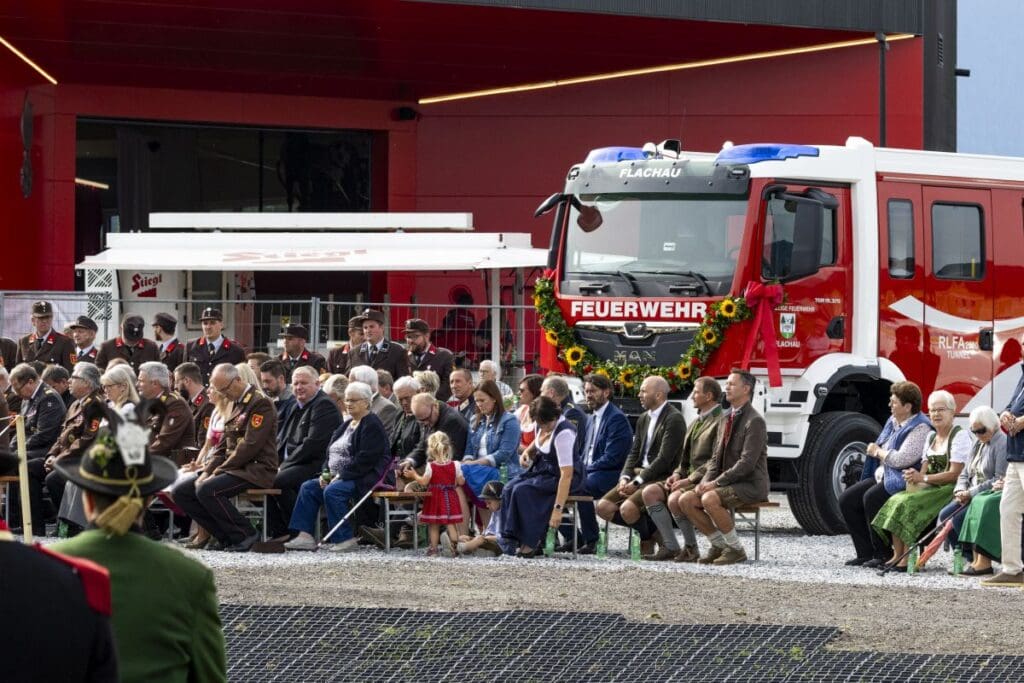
(762, 299)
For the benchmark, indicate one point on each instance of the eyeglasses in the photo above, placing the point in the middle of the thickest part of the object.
(938, 410)
(979, 431)
(353, 400)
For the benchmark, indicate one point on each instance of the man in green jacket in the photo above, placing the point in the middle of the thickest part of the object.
(165, 616)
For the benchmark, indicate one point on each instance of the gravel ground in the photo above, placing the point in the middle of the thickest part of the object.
(800, 580)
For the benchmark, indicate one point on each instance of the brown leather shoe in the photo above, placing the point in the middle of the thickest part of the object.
(663, 555)
(714, 552)
(688, 554)
(732, 556)
(647, 547)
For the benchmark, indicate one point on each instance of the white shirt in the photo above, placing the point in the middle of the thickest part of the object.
(80, 353)
(215, 344)
(654, 414)
(596, 424)
(563, 442)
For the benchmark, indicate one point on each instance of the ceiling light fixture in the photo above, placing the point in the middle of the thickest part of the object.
(662, 69)
(21, 55)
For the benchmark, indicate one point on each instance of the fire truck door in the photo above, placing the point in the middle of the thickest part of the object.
(959, 291)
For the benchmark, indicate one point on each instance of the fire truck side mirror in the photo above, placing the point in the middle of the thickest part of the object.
(548, 204)
(807, 227)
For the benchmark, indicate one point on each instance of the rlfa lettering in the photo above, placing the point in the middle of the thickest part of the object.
(650, 172)
(643, 310)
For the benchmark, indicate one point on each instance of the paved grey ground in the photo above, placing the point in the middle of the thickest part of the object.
(801, 580)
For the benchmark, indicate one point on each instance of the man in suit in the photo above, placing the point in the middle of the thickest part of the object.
(435, 416)
(662, 500)
(338, 360)
(165, 615)
(81, 425)
(44, 413)
(173, 430)
(461, 396)
(83, 333)
(736, 475)
(76, 595)
(273, 379)
(130, 345)
(45, 344)
(8, 352)
(376, 351)
(423, 355)
(188, 382)
(249, 460)
(657, 444)
(606, 443)
(302, 446)
(387, 411)
(295, 352)
(213, 348)
(172, 351)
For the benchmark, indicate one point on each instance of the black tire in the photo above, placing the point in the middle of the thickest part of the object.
(832, 460)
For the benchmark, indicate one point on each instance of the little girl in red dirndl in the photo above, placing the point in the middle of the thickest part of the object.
(441, 476)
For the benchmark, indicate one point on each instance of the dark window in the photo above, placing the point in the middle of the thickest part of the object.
(901, 238)
(778, 238)
(958, 242)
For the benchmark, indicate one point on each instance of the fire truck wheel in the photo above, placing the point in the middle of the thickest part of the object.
(833, 459)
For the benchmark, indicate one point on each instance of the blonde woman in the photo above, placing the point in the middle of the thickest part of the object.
(249, 376)
(118, 384)
(429, 381)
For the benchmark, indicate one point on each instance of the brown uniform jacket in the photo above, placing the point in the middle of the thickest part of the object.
(173, 355)
(699, 445)
(666, 446)
(87, 357)
(250, 441)
(742, 461)
(55, 349)
(307, 357)
(8, 352)
(202, 410)
(391, 357)
(338, 359)
(439, 360)
(142, 351)
(198, 351)
(80, 428)
(172, 431)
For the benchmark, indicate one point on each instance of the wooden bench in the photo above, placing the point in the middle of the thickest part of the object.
(5, 491)
(750, 516)
(252, 503)
(391, 499)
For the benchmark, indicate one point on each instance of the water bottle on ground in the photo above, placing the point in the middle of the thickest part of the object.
(634, 546)
(912, 560)
(549, 543)
(958, 560)
(602, 545)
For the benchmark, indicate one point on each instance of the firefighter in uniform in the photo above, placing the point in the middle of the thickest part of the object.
(423, 355)
(188, 382)
(45, 344)
(338, 358)
(8, 352)
(130, 345)
(213, 348)
(248, 460)
(378, 352)
(83, 332)
(296, 353)
(173, 429)
(172, 351)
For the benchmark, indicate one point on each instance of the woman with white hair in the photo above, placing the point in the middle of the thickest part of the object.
(489, 370)
(946, 452)
(118, 384)
(979, 487)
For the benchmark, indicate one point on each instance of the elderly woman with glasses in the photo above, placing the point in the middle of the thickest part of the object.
(357, 456)
(946, 452)
(118, 384)
(975, 506)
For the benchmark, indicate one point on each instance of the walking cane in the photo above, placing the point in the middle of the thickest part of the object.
(356, 506)
(910, 546)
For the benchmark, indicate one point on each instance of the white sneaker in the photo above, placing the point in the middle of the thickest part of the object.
(301, 542)
(343, 547)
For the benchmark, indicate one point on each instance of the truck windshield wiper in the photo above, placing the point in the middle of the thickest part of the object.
(625, 275)
(685, 273)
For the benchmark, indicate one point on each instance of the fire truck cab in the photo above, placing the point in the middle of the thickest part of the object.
(895, 264)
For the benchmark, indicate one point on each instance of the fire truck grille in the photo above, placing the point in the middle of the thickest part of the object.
(650, 346)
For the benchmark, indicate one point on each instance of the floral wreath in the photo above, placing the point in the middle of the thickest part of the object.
(625, 376)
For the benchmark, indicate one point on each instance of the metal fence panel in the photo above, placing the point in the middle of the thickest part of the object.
(16, 311)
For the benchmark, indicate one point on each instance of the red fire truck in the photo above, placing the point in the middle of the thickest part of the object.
(895, 265)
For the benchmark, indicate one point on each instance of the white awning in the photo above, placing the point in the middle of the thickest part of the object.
(421, 220)
(316, 252)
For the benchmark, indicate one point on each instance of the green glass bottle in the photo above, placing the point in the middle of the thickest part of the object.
(958, 560)
(549, 543)
(504, 473)
(634, 546)
(602, 545)
(912, 560)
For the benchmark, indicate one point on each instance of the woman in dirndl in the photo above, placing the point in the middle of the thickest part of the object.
(930, 488)
(979, 489)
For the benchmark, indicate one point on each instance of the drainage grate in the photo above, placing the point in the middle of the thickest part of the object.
(332, 644)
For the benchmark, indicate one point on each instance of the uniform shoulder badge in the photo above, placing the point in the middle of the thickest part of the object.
(200, 399)
(94, 426)
(163, 399)
(206, 422)
(256, 420)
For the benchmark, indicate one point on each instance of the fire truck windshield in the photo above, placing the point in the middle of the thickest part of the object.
(646, 238)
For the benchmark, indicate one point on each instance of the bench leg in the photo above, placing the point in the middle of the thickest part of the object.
(415, 525)
(757, 535)
(575, 530)
(387, 525)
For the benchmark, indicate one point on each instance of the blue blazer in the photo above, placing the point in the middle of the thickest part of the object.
(370, 452)
(612, 443)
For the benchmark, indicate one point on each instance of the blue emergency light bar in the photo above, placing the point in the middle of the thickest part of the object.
(606, 155)
(751, 154)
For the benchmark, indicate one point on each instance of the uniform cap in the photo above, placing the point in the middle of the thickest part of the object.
(413, 325)
(42, 308)
(133, 327)
(84, 321)
(167, 321)
(295, 331)
(375, 316)
(356, 321)
(211, 314)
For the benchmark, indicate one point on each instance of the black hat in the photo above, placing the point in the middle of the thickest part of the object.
(295, 331)
(166, 321)
(119, 462)
(86, 322)
(356, 321)
(133, 327)
(414, 325)
(375, 316)
(42, 309)
(211, 314)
